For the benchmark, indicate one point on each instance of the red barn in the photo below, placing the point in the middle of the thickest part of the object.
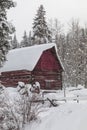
(40, 62)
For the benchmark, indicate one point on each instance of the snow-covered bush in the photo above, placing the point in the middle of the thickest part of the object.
(8, 119)
(26, 108)
(35, 87)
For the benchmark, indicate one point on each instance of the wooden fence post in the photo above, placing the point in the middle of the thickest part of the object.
(77, 99)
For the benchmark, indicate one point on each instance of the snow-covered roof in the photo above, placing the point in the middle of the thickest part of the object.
(25, 58)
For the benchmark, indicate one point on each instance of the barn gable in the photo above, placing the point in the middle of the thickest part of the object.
(48, 61)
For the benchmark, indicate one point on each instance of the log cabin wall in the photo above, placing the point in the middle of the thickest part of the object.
(48, 80)
(11, 78)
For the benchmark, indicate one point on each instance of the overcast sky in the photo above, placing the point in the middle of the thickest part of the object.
(64, 10)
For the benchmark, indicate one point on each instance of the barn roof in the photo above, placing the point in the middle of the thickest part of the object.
(25, 58)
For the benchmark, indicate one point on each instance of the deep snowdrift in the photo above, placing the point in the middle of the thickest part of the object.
(68, 115)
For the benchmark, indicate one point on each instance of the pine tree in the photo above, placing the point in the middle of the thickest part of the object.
(41, 33)
(24, 42)
(5, 28)
(14, 42)
(30, 39)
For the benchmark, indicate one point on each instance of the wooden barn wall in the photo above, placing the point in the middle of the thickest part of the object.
(48, 68)
(12, 78)
(48, 61)
(54, 78)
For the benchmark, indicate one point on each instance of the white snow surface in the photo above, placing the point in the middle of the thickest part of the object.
(68, 115)
(25, 58)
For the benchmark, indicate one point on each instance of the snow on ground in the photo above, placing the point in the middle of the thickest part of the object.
(12, 93)
(65, 117)
(69, 115)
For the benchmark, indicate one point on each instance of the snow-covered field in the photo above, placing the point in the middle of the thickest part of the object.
(69, 115)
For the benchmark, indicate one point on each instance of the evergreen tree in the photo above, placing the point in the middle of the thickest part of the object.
(14, 43)
(30, 39)
(41, 33)
(24, 42)
(5, 28)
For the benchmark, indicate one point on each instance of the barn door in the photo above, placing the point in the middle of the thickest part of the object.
(49, 84)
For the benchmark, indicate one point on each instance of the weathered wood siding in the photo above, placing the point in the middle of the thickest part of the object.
(48, 61)
(48, 80)
(11, 78)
